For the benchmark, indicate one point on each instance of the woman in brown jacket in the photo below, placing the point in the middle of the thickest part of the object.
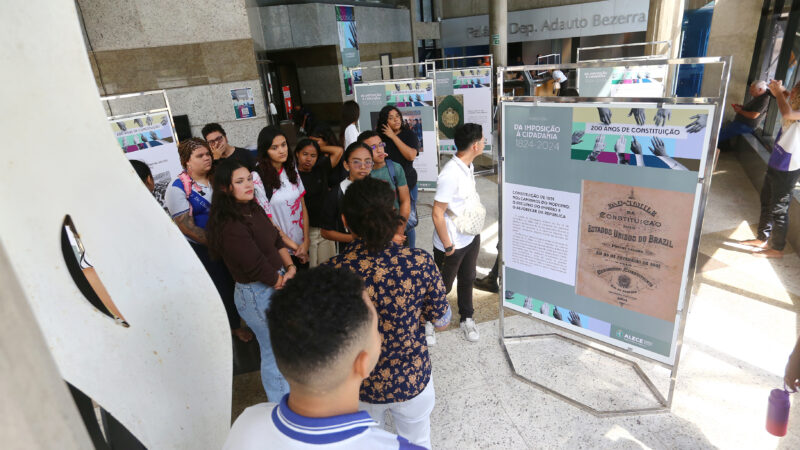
(240, 232)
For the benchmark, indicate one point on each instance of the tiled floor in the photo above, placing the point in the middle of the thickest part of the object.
(742, 324)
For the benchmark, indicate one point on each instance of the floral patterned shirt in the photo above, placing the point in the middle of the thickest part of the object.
(405, 286)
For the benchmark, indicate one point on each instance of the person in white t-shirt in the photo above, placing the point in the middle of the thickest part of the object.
(324, 368)
(350, 114)
(285, 192)
(456, 253)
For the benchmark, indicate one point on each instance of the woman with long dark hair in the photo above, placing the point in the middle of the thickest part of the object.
(315, 169)
(349, 122)
(240, 232)
(284, 191)
(402, 146)
(406, 287)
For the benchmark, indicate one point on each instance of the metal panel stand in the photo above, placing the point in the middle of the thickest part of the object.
(704, 183)
(666, 403)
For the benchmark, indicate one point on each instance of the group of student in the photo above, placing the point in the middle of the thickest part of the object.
(358, 328)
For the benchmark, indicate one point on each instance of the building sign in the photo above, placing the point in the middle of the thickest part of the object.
(586, 19)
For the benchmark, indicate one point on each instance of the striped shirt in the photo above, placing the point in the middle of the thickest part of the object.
(270, 425)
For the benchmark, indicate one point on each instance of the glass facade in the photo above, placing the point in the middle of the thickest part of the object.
(776, 56)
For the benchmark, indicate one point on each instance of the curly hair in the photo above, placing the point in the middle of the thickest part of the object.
(188, 146)
(383, 119)
(317, 318)
(368, 207)
(270, 176)
(224, 207)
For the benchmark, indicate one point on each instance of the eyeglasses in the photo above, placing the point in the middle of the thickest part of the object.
(375, 147)
(217, 141)
(357, 164)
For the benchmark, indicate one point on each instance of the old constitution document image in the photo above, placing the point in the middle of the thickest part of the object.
(632, 246)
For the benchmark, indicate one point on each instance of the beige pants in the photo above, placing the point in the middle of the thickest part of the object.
(319, 249)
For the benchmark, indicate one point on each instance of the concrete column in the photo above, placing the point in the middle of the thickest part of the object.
(664, 24)
(412, 21)
(734, 26)
(498, 31)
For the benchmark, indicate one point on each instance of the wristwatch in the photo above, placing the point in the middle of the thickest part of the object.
(447, 249)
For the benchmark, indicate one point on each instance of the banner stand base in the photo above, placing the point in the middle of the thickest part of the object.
(665, 403)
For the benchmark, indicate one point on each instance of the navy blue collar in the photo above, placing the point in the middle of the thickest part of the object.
(323, 430)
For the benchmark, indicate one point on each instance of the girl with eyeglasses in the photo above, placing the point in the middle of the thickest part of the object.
(358, 162)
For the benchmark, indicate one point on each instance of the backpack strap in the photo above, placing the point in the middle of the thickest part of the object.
(393, 174)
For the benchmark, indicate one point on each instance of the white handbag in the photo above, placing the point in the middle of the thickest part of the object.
(470, 220)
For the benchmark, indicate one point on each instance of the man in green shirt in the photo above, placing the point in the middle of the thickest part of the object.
(382, 171)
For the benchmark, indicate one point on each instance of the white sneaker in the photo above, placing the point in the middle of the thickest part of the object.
(470, 330)
(430, 334)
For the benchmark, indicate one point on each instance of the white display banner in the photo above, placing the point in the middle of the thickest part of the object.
(623, 81)
(463, 96)
(414, 99)
(542, 225)
(585, 19)
(149, 138)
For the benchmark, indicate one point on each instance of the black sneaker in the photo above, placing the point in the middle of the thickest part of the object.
(487, 284)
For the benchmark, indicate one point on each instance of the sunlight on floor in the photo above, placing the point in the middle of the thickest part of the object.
(619, 435)
(489, 237)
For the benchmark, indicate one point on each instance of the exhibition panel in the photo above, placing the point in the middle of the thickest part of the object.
(601, 207)
(414, 97)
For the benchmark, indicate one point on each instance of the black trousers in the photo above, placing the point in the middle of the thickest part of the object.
(223, 281)
(776, 195)
(462, 263)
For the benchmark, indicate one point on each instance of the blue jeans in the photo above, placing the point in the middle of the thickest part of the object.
(412, 233)
(733, 129)
(252, 301)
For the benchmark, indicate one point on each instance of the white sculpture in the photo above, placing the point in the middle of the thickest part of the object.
(167, 377)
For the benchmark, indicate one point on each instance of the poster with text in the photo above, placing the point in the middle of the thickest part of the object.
(348, 45)
(542, 228)
(414, 99)
(463, 96)
(244, 105)
(149, 138)
(632, 246)
(631, 82)
(600, 209)
(666, 138)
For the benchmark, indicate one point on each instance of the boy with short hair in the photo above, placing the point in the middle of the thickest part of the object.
(324, 333)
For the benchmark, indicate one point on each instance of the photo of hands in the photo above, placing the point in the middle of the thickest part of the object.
(666, 138)
(531, 305)
(413, 93)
